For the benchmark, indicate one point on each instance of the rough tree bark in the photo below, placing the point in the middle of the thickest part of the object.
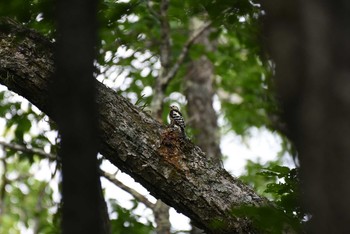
(172, 169)
(309, 41)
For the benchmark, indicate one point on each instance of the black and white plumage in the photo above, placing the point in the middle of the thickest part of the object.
(176, 118)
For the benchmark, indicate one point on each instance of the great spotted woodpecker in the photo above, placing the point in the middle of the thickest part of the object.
(177, 119)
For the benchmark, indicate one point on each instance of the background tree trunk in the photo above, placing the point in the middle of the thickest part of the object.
(73, 95)
(161, 210)
(309, 41)
(199, 93)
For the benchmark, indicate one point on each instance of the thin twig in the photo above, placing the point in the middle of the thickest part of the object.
(152, 11)
(166, 74)
(25, 149)
(185, 49)
(133, 192)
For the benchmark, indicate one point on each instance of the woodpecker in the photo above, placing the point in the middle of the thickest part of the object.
(176, 118)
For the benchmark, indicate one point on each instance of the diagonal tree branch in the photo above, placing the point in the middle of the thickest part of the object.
(105, 174)
(132, 191)
(169, 72)
(172, 169)
(184, 52)
(151, 10)
(25, 149)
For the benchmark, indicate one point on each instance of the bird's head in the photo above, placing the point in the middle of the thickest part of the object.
(173, 107)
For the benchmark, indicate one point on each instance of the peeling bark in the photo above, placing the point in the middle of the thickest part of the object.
(172, 169)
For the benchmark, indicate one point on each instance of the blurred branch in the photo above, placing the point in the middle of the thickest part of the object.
(25, 149)
(152, 11)
(184, 52)
(3, 182)
(39, 208)
(165, 48)
(133, 192)
(165, 61)
(42, 153)
(166, 72)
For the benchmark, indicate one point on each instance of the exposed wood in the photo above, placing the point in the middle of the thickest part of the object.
(172, 169)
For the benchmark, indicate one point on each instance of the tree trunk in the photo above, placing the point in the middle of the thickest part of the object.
(73, 95)
(171, 168)
(309, 41)
(161, 217)
(161, 210)
(199, 92)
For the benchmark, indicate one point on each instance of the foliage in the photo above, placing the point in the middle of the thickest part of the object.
(259, 182)
(286, 190)
(25, 202)
(135, 29)
(282, 183)
(128, 222)
(129, 50)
